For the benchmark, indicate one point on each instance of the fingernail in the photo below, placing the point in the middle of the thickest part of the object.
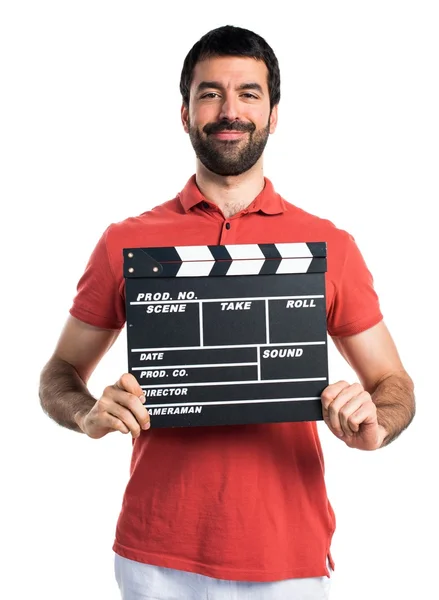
(147, 425)
(142, 399)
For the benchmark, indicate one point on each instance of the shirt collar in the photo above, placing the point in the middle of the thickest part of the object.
(267, 201)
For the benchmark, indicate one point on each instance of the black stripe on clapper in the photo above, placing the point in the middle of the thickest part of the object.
(220, 268)
(171, 269)
(164, 255)
(223, 260)
(317, 265)
(317, 249)
(220, 253)
(272, 259)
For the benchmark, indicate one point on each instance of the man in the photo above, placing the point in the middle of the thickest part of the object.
(235, 511)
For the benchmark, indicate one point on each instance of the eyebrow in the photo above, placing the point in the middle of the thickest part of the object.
(204, 85)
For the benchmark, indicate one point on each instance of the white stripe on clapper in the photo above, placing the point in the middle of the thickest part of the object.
(196, 269)
(267, 322)
(250, 381)
(245, 267)
(295, 250)
(200, 309)
(245, 252)
(231, 402)
(194, 253)
(172, 349)
(293, 265)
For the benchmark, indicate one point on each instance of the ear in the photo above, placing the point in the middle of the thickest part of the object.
(185, 117)
(273, 118)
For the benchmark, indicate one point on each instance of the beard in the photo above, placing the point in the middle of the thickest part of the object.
(228, 157)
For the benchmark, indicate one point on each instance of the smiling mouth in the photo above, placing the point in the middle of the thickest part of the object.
(229, 135)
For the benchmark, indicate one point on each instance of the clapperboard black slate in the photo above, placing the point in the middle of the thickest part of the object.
(221, 335)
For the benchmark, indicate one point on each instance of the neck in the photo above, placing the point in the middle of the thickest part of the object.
(230, 194)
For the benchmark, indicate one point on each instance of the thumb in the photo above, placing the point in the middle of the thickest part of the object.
(129, 383)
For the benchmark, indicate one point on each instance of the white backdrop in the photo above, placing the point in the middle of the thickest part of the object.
(90, 134)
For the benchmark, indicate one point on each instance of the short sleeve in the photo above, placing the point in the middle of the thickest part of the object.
(99, 300)
(355, 306)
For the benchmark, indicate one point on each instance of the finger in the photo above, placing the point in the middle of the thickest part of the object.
(133, 403)
(145, 421)
(129, 383)
(344, 396)
(126, 417)
(136, 407)
(365, 414)
(331, 392)
(115, 424)
(349, 426)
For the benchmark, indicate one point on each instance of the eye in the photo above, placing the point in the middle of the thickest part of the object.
(210, 95)
(249, 95)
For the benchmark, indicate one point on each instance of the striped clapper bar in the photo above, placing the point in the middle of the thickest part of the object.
(222, 335)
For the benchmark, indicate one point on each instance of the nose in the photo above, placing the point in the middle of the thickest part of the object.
(229, 108)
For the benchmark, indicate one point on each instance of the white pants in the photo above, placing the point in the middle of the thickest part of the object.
(138, 581)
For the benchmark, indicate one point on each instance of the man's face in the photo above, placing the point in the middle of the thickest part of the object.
(229, 119)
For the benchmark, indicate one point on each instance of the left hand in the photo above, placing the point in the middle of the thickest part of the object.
(351, 415)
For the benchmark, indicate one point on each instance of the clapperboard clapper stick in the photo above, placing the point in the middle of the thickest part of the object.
(222, 335)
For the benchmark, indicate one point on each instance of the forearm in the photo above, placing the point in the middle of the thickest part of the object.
(64, 396)
(395, 401)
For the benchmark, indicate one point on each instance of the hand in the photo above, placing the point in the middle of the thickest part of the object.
(120, 408)
(351, 415)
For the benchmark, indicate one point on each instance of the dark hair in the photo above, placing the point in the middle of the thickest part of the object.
(231, 41)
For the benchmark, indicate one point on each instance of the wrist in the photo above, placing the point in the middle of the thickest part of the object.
(79, 418)
(382, 435)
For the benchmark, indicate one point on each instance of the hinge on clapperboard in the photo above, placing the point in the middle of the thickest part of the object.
(138, 263)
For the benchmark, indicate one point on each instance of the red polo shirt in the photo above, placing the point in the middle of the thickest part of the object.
(241, 502)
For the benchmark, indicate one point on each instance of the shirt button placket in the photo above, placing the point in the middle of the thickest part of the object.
(227, 234)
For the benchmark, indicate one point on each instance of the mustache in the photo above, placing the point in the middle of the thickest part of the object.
(226, 125)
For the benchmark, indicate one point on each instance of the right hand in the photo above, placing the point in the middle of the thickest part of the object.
(120, 408)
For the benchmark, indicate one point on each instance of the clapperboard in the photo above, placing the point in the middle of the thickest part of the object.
(221, 335)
